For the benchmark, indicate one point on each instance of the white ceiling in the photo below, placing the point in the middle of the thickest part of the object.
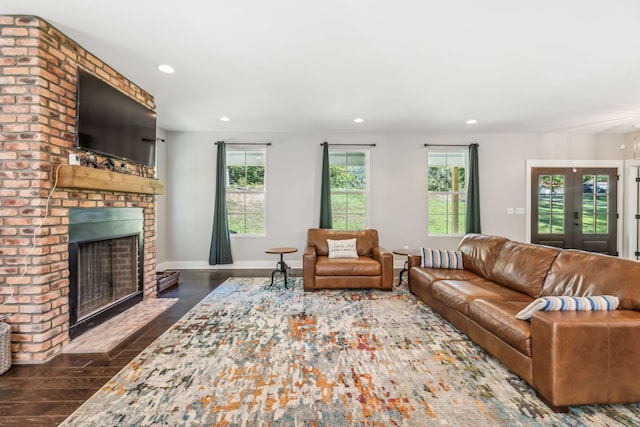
(402, 65)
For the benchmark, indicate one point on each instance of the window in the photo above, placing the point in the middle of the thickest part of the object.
(348, 172)
(246, 191)
(446, 191)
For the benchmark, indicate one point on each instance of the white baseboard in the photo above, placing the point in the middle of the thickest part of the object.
(238, 265)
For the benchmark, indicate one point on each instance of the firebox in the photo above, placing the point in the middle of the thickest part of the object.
(105, 264)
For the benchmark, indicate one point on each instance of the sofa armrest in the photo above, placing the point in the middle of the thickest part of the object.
(309, 268)
(412, 261)
(385, 258)
(586, 357)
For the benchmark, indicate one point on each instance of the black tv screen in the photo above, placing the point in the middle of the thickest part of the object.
(111, 123)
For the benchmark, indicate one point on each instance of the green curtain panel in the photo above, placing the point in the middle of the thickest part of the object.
(325, 190)
(473, 192)
(220, 252)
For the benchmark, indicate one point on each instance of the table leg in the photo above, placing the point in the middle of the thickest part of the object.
(281, 268)
(284, 271)
(404, 270)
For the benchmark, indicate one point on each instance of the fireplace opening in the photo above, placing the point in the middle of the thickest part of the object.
(105, 264)
(107, 272)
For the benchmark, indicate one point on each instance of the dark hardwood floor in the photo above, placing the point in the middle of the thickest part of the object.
(46, 394)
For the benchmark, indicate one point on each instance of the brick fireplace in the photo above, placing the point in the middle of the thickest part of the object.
(38, 68)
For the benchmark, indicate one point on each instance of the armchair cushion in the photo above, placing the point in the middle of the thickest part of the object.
(366, 240)
(363, 266)
(342, 248)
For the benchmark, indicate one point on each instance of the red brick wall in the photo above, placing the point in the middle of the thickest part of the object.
(38, 67)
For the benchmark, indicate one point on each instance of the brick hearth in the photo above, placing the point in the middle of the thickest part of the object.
(38, 69)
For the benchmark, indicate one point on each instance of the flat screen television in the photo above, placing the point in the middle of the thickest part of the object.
(113, 124)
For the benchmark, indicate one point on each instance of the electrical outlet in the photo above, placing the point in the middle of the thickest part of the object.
(74, 159)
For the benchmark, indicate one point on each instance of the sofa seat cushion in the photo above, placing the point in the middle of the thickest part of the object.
(459, 293)
(498, 317)
(431, 275)
(363, 266)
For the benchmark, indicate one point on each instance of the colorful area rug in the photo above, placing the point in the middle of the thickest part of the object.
(251, 355)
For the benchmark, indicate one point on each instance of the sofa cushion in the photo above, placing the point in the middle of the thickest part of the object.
(498, 317)
(363, 266)
(439, 258)
(342, 248)
(523, 267)
(578, 273)
(431, 275)
(565, 303)
(479, 252)
(459, 293)
(366, 240)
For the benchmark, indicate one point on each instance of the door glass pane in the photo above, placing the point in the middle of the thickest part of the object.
(595, 204)
(551, 201)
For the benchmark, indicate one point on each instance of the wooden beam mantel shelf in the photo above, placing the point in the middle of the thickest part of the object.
(82, 177)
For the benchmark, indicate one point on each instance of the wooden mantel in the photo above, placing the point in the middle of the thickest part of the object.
(82, 177)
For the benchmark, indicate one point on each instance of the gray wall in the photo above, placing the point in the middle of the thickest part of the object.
(398, 188)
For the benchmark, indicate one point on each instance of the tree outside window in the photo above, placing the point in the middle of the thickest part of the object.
(349, 189)
(246, 191)
(446, 191)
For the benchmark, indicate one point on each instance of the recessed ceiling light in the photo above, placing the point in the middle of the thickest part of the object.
(471, 122)
(166, 68)
(225, 119)
(358, 120)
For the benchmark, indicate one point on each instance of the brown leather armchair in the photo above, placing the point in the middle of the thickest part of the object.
(372, 269)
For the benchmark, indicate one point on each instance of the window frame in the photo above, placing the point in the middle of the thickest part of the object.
(366, 192)
(246, 149)
(450, 149)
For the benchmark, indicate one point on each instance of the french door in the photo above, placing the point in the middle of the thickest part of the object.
(575, 208)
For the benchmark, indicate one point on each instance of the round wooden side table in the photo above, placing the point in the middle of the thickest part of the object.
(281, 267)
(405, 252)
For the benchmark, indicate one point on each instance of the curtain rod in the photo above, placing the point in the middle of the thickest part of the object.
(245, 143)
(449, 145)
(352, 145)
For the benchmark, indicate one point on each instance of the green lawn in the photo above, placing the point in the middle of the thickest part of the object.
(594, 215)
(245, 213)
(349, 211)
(441, 211)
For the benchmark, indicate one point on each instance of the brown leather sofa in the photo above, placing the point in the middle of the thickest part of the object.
(568, 357)
(372, 269)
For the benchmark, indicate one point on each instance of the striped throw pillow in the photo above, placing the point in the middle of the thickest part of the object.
(437, 258)
(564, 303)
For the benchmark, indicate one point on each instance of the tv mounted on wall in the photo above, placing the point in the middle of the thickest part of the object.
(113, 124)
